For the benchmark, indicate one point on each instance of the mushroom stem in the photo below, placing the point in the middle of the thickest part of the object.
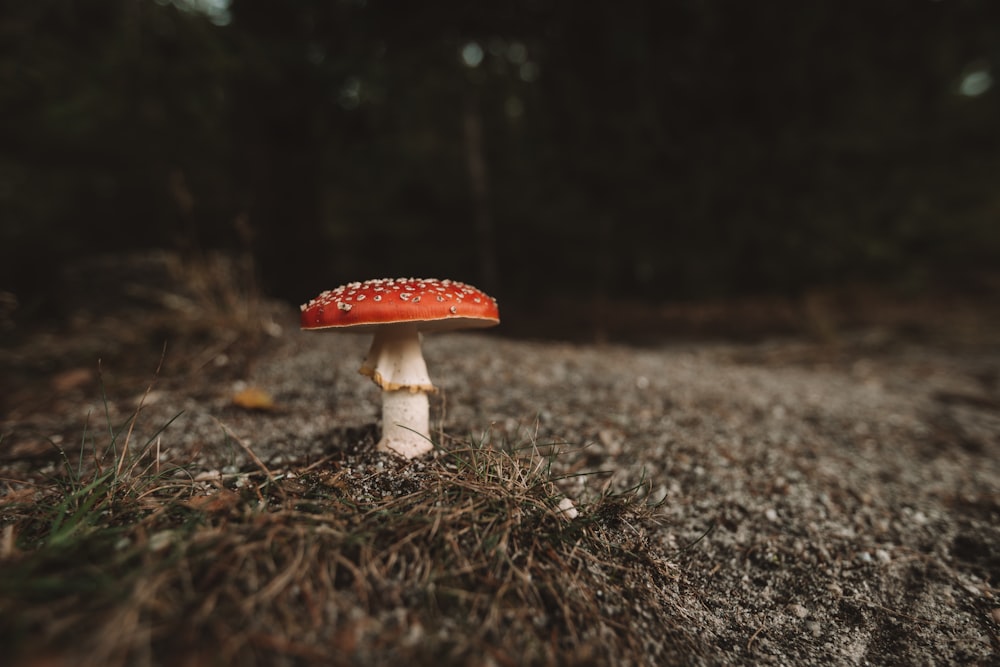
(395, 362)
(405, 423)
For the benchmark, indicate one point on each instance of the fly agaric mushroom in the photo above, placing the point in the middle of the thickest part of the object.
(397, 311)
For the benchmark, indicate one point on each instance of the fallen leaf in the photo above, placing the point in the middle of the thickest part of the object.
(18, 496)
(71, 379)
(253, 398)
(29, 448)
(221, 501)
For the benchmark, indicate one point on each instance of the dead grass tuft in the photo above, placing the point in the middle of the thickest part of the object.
(465, 559)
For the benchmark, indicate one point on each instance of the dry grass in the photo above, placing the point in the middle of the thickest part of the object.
(362, 559)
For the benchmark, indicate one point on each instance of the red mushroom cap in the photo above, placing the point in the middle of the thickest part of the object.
(434, 305)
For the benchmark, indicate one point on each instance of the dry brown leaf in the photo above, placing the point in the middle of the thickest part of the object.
(253, 398)
(71, 379)
(18, 496)
(29, 448)
(222, 500)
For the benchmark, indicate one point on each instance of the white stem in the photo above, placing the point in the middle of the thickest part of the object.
(395, 360)
(405, 423)
(396, 363)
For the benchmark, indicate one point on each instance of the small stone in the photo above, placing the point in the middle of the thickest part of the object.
(995, 615)
(161, 540)
(568, 509)
(798, 610)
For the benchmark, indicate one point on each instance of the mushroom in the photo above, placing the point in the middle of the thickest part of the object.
(397, 311)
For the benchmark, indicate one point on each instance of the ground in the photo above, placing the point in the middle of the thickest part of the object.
(812, 499)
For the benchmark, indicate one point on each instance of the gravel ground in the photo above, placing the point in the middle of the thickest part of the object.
(822, 504)
(822, 507)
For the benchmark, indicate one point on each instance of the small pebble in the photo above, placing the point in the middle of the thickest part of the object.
(161, 540)
(568, 509)
(798, 610)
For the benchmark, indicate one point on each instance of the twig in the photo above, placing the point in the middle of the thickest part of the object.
(256, 460)
(889, 610)
(753, 637)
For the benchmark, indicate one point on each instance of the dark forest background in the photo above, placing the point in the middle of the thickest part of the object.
(663, 149)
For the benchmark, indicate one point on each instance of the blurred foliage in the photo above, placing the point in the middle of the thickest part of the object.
(664, 149)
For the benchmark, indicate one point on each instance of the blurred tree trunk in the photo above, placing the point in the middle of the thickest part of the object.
(479, 182)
